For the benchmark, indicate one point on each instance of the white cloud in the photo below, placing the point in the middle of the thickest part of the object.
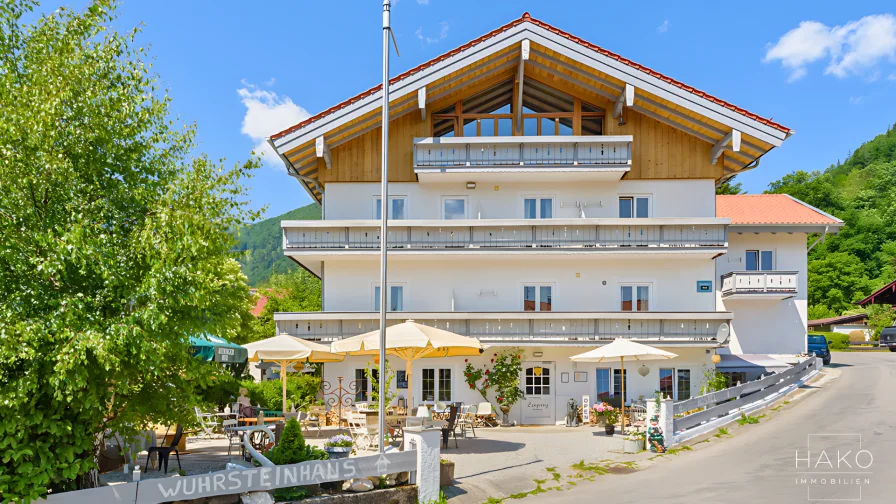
(663, 28)
(266, 114)
(443, 33)
(423, 2)
(852, 49)
(856, 100)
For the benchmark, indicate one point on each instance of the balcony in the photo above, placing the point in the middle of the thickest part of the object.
(518, 328)
(759, 285)
(567, 158)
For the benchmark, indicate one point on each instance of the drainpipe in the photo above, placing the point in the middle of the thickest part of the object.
(820, 239)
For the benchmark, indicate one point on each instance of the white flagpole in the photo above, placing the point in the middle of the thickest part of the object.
(384, 208)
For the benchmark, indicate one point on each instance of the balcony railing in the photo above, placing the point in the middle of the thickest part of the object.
(518, 326)
(523, 151)
(507, 234)
(759, 283)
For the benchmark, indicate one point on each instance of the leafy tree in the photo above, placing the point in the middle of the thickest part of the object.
(729, 187)
(301, 390)
(372, 372)
(262, 242)
(116, 247)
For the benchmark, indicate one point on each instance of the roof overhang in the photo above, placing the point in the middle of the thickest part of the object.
(563, 56)
(785, 228)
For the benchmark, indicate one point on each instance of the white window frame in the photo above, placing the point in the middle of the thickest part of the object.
(374, 286)
(634, 197)
(435, 395)
(522, 294)
(759, 259)
(376, 205)
(651, 295)
(458, 197)
(538, 198)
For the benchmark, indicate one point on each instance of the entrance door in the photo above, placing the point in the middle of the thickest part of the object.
(538, 385)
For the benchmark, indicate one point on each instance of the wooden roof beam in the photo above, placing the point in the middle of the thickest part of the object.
(323, 150)
(421, 102)
(520, 73)
(733, 138)
(626, 99)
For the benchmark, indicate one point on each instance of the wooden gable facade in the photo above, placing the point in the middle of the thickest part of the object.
(677, 132)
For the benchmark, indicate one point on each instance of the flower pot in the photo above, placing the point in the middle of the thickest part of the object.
(633, 445)
(446, 473)
(506, 411)
(610, 429)
(338, 452)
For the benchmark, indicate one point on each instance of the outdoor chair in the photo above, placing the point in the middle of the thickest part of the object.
(637, 417)
(208, 422)
(468, 420)
(357, 428)
(165, 451)
(484, 415)
(233, 436)
(451, 428)
(373, 430)
(315, 417)
(235, 410)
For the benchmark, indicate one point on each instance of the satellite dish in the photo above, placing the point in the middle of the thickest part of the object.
(723, 333)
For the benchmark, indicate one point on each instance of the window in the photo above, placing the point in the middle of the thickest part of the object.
(397, 207)
(634, 207)
(667, 382)
(454, 207)
(684, 384)
(617, 382)
(603, 384)
(360, 385)
(635, 297)
(436, 390)
(537, 297)
(538, 208)
(396, 298)
(538, 381)
(760, 260)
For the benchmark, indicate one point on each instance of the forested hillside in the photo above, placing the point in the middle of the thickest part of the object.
(262, 243)
(862, 192)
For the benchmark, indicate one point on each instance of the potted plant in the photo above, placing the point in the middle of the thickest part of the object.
(504, 377)
(634, 442)
(338, 446)
(446, 472)
(611, 414)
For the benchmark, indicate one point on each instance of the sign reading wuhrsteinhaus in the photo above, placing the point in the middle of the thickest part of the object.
(270, 478)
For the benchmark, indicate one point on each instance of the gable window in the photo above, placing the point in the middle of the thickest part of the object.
(396, 298)
(538, 208)
(635, 297)
(397, 207)
(637, 207)
(760, 260)
(454, 207)
(537, 297)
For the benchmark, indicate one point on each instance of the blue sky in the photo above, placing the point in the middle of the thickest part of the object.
(243, 70)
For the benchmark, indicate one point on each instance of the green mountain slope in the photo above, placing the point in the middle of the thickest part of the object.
(862, 192)
(261, 244)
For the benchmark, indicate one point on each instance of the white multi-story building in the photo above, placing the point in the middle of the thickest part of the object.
(548, 195)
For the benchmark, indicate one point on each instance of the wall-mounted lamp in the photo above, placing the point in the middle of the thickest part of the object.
(643, 370)
(471, 185)
(716, 358)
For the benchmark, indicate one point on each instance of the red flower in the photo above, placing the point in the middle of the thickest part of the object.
(486, 371)
(493, 360)
(517, 356)
(471, 385)
(500, 399)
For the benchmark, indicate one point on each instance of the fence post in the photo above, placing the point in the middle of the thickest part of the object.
(427, 443)
(666, 420)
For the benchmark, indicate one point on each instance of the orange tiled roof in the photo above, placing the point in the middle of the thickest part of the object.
(526, 18)
(259, 306)
(770, 209)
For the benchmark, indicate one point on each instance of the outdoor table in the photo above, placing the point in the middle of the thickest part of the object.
(267, 420)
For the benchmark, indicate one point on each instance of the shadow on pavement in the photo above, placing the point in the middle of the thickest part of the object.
(481, 446)
(497, 469)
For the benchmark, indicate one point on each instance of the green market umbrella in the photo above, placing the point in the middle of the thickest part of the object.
(213, 348)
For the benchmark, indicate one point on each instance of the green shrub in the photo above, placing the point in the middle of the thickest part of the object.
(292, 450)
(301, 390)
(836, 341)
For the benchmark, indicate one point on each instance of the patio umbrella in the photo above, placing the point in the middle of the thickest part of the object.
(411, 341)
(286, 350)
(618, 351)
(213, 348)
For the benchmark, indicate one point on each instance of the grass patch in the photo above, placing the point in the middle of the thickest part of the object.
(554, 474)
(722, 432)
(679, 449)
(595, 468)
(747, 419)
(493, 500)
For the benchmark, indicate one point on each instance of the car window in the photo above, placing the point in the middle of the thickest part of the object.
(817, 340)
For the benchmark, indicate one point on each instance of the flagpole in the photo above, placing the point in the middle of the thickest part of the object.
(384, 209)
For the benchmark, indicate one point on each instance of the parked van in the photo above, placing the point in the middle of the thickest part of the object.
(888, 338)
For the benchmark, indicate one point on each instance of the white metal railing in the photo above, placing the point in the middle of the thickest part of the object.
(331, 326)
(485, 234)
(759, 282)
(531, 151)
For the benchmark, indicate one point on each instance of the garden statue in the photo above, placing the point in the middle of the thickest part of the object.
(572, 413)
(655, 436)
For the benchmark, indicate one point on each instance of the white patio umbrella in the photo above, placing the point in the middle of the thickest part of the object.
(286, 350)
(410, 341)
(618, 351)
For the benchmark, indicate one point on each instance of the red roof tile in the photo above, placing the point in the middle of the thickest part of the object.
(259, 306)
(770, 209)
(526, 18)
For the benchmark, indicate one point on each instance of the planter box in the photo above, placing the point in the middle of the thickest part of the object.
(446, 473)
(633, 445)
(338, 452)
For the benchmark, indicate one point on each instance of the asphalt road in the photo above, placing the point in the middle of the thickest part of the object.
(758, 464)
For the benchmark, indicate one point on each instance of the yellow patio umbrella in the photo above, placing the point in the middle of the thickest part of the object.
(617, 351)
(286, 350)
(410, 341)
